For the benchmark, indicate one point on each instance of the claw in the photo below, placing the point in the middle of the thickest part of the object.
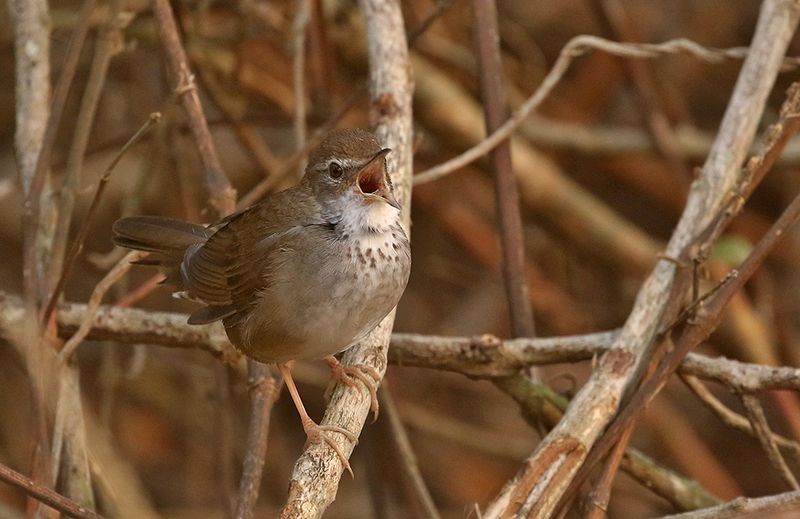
(368, 375)
(317, 433)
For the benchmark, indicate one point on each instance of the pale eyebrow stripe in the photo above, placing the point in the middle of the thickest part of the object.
(345, 163)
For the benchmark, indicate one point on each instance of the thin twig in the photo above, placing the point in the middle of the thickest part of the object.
(264, 389)
(617, 23)
(434, 14)
(746, 507)
(301, 17)
(38, 176)
(77, 245)
(758, 420)
(222, 194)
(733, 419)
(109, 43)
(294, 160)
(45, 495)
(408, 460)
(487, 44)
(576, 47)
(598, 499)
(122, 267)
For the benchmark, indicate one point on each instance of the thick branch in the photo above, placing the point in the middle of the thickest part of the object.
(483, 356)
(316, 474)
(546, 475)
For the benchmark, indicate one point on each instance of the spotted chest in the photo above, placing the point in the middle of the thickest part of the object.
(378, 264)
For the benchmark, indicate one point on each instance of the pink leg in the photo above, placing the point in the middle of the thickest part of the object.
(314, 432)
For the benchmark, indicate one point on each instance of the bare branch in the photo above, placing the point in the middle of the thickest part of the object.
(487, 44)
(742, 507)
(408, 459)
(483, 356)
(733, 419)
(223, 195)
(77, 245)
(45, 495)
(109, 43)
(264, 390)
(765, 436)
(36, 83)
(576, 47)
(316, 474)
(95, 299)
(547, 474)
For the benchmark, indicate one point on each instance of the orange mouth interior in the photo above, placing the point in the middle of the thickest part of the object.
(369, 180)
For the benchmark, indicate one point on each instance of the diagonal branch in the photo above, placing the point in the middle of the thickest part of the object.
(755, 413)
(317, 472)
(546, 475)
(223, 195)
(576, 47)
(45, 495)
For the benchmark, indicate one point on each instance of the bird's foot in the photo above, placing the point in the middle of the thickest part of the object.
(349, 375)
(319, 433)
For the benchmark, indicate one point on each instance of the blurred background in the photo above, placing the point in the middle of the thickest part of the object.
(603, 169)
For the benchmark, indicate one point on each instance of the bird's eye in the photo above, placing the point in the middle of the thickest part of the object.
(335, 170)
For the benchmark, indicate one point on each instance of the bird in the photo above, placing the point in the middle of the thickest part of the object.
(304, 274)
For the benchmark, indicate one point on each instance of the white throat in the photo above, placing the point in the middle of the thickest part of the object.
(368, 218)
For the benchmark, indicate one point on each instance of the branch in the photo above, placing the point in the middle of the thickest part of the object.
(746, 507)
(732, 419)
(487, 46)
(317, 472)
(758, 420)
(485, 356)
(77, 245)
(548, 132)
(579, 46)
(45, 495)
(408, 460)
(223, 195)
(264, 390)
(110, 42)
(546, 475)
(616, 22)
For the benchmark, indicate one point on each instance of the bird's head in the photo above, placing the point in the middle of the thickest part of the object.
(349, 167)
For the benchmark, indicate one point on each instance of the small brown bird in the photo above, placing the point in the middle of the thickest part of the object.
(303, 274)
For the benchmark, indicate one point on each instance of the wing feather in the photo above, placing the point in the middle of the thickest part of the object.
(232, 267)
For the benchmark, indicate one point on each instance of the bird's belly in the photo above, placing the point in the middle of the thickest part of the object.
(322, 311)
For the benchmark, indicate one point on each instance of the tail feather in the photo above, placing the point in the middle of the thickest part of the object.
(167, 239)
(155, 234)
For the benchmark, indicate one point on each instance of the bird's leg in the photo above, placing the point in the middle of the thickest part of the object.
(315, 432)
(366, 374)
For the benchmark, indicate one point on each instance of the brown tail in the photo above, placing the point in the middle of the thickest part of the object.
(167, 239)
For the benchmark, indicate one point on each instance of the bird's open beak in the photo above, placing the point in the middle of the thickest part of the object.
(372, 179)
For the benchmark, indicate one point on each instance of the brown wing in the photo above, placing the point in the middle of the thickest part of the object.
(229, 269)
